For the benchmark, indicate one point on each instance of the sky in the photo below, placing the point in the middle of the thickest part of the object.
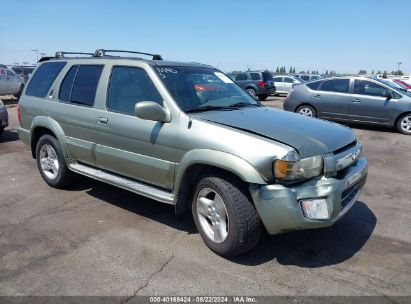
(344, 36)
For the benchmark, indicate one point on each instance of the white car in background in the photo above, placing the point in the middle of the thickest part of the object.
(284, 83)
(10, 82)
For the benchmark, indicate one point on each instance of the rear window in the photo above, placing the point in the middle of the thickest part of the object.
(335, 85)
(44, 77)
(255, 76)
(314, 85)
(267, 76)
(85, 85)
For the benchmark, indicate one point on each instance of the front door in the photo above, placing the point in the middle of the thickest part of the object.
(369, 102)
(130, 146)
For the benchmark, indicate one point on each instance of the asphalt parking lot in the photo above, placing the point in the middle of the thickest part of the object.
(95, 239)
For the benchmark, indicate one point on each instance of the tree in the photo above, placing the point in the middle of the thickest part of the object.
(293, 70)
(362, 72)
(290, 70)
(372, 73)
(384, 75)
(277, 70)
(326, 73)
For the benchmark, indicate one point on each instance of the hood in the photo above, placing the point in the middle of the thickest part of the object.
(309, 136)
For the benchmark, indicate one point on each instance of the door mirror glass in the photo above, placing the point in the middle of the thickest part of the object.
(150, 110)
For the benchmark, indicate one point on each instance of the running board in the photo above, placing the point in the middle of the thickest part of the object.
(124, 183)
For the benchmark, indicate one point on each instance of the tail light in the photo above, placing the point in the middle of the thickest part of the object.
(18, 112)
(261, 83)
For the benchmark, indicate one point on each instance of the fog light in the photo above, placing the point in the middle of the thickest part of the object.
(315, 209)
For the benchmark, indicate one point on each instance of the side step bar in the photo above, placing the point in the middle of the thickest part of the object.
(125, 183)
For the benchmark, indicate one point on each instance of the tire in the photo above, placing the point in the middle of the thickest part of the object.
(225, 203)
(19, 92)
(252, 92)
(306, 110)
(404, 124)
(51, 163)
(262, 97)
(1, 131)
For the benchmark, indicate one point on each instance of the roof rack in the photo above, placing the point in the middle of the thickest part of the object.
(61, 54)
(102, 52)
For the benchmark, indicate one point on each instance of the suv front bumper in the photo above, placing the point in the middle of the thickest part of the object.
(279, 206)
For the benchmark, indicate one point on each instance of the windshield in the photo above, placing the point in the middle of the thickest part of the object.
(204, 88)
(393, 85)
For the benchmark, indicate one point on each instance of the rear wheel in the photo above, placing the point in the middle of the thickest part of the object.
(262, 97)
(50, 162)
(225, 216)
(252, 92)
(404, 124)
(306, 110)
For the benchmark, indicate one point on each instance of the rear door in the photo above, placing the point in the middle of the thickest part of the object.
(76, 114)
(241, 79)
(332, 98)
(369, 102)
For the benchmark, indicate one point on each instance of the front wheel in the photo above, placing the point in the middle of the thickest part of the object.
(404, 124)
(50, 162)
(262, 97)
(307, 110)
(225, 216)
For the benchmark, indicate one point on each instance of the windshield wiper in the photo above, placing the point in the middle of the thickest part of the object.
(244, 104)
(206, 108)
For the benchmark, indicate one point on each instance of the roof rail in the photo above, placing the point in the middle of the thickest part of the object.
(102, 52)
(61, 54)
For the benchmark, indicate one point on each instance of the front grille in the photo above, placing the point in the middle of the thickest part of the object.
(349, 193)
(345, 148)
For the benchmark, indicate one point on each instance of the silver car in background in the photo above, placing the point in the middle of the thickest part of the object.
(353, 99)
(284, 83)
(10, 82)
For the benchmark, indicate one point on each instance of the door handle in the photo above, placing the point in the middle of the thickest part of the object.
(356, 100)
(317, 96)
(102, 120)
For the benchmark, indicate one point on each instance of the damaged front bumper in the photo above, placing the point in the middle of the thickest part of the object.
(280, 207)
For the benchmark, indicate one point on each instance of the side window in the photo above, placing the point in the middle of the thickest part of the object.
(336, 85)
(278, 79)
(129, 85)
(44, 77)
(255, 76)
(364, 87)
(288, 80)
(314, 85)
(240, 77)
(232, 76)
(85, 85)
(67, 84)
(305, 77)
(10, 73)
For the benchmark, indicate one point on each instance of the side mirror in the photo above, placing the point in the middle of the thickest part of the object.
(150, 110)
(387, 94)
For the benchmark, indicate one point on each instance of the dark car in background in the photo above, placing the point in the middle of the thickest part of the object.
(353, 99)
(4, 117)
(256, 83)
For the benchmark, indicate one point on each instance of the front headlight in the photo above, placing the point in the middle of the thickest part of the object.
(295, 170)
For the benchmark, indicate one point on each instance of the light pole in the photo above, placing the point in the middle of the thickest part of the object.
(398, 70)
(37, 55)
